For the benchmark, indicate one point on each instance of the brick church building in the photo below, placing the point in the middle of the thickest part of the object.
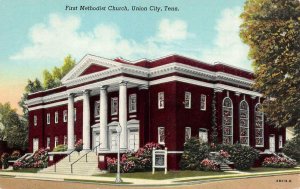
(166, 100)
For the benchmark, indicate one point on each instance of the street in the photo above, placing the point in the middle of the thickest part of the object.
(271, 182)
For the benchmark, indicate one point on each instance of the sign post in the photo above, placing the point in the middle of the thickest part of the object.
(159, 159)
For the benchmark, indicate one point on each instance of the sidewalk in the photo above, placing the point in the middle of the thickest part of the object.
(143, 182)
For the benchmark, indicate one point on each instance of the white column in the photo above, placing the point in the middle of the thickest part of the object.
(71, 122)
(103, 118)
(86, 129)
(123, 113)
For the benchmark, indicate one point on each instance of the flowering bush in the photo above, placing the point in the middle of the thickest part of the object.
(222, 156)
(4, 160)
(38, 160)
(15, 155)
(209, 165)
(140, 160)
(278, 162)
(194, 153)
(79, 145)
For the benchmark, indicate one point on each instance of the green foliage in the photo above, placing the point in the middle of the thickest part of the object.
(60, 148)
(194, 153)
(14, 129)
(69, 63)
(243, 157)
(272, 30)
(292, 149)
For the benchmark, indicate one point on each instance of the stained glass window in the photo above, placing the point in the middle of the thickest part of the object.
(259, 126)
(187, 135)
(244, 123)
(35, 120)
(65, 115)
(227, 121)
(114, 106)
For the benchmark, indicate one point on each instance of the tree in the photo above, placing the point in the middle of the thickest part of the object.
(14, 129)
(272, 30)
(69, 63)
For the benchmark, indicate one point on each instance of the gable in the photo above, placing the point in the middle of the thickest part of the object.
(92, 69)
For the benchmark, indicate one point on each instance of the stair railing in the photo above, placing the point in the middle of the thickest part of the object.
(85, 155)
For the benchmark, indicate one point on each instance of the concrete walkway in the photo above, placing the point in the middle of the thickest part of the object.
(142, 182)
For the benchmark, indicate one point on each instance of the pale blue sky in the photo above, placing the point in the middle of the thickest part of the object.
(38, 34)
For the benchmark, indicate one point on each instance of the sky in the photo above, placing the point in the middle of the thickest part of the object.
(37, 34)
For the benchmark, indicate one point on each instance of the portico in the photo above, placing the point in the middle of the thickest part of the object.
(103, 130)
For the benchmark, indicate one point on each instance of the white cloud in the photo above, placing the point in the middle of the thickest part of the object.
(61, 36)
(228, 47)
(172, 30)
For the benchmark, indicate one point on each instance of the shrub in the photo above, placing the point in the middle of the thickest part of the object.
(38, 160)
(194, 153)
(209, 165)
(243, 157)
(79, 145)
(60, 148)
(140, 160)
(278, 162)
(15, 155)
(4, 160)
(292, 148)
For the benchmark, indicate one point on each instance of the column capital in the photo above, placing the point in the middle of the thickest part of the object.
(103, 87)
(123, 83)
(218, 90)
(253, 97)
(71, 95)
(237, 93)
(143, 87)
(86, 91)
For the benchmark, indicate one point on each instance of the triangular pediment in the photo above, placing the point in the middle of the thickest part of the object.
(90, 64)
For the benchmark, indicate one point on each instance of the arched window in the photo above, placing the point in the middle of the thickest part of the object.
(244, 123)
(259, 126)
(227, 121)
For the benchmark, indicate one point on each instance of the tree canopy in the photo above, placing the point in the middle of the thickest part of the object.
(272, 30)
(13, 128)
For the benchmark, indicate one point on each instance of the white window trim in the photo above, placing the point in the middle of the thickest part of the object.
(65, 139)
(56, 117)
(263, 125)
(48, 119)
(203, 109)
(203, 130)
(134, 104)
(112, 106)
(75, 114)
(35, 120)
(159, 137)
(65, 114)
(56, 142)
(189, 129)
(161, 105)
(189, 104)
(247, 121)
(280, 141)
(48, 142)
(223, 125)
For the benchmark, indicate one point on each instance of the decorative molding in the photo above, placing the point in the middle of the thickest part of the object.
(237, 93)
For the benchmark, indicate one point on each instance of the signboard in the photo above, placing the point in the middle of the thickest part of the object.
(159, 159)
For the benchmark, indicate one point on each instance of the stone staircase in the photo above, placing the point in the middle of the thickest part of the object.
(225, 167)
(81, 167)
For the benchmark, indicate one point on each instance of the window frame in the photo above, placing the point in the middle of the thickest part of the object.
(65, 116)
(75, 114)
(187, 133)
(97, 109)
(56, 141)
(132, 104)
(114, 106)
(48, 119)
(161, 100)
(259, 128)
(203, 108)
(231, 120)
(56, 117)
(280, 141)
(35, 120)
(48, 142)
(187, 100)
(247, 122)
(161, 140)
(203, 130)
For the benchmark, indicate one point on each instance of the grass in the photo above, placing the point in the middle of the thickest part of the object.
(159, 175)
(269, 169)
(25, 170)
(95, 181)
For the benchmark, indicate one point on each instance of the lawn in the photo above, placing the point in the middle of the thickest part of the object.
(159, 175)
(25, 170)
